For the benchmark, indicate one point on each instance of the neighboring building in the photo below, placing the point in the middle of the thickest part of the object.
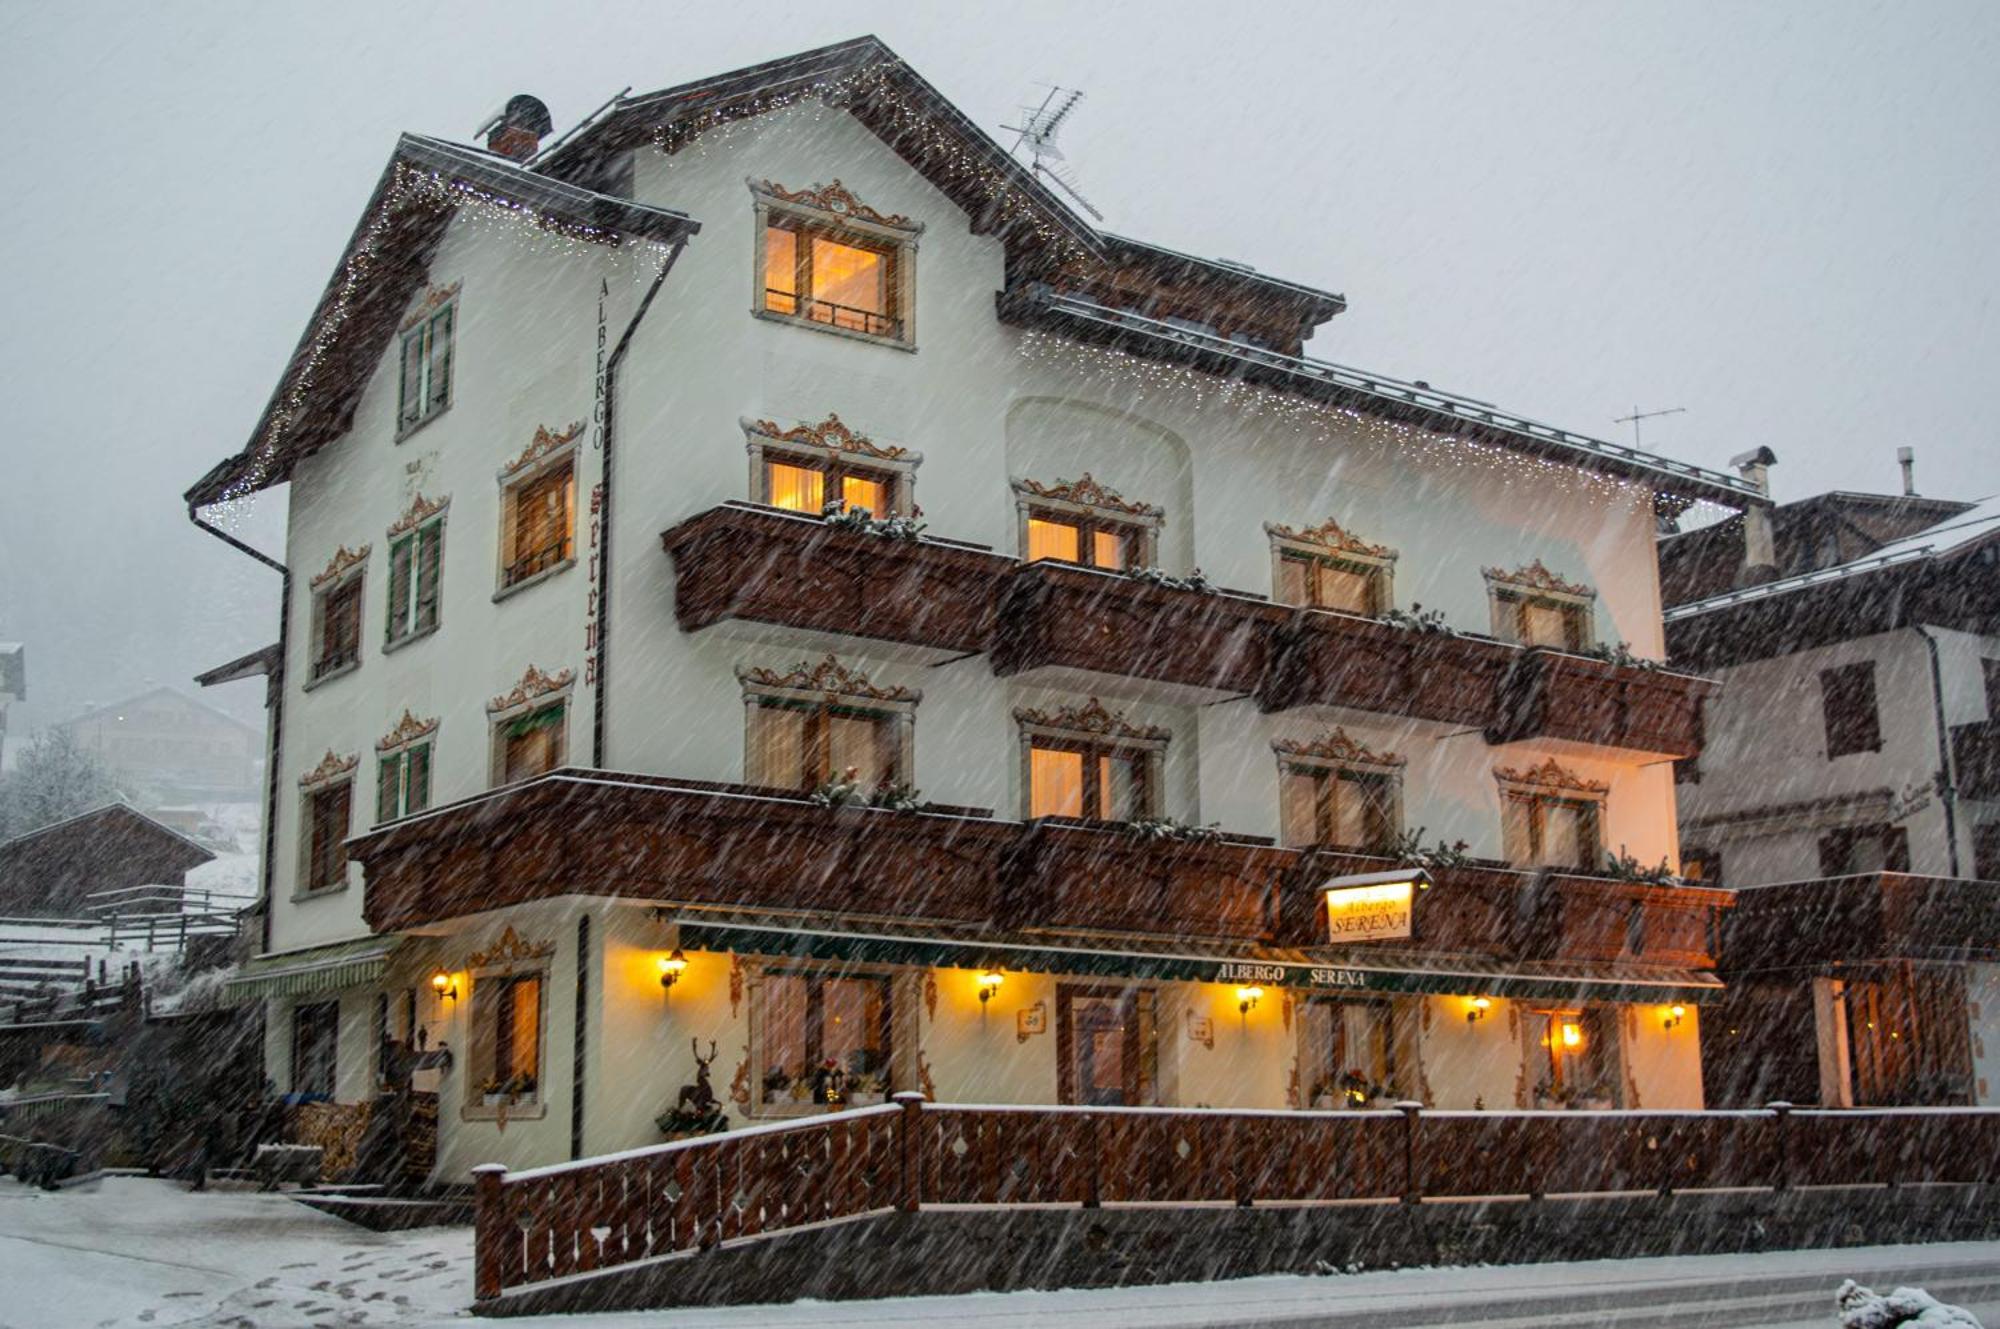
(174, 747)
(13, 686)
(53, 872)
(573, 663)
(1851, 776)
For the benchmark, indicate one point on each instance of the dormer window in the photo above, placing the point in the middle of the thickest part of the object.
(1535, 607)
(826, 259)
(809, 468)
(1085, 523)
(1323, 567)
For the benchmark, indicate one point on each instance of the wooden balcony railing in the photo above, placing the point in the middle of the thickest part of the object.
(1872, 916)
(1324, 658)
(596, 1214)
(769, 566)
(1062, 873)
(1552, 694)
(1975, 751)
(1054, 614)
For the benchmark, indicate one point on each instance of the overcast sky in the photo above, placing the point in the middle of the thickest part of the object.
(1781, 217)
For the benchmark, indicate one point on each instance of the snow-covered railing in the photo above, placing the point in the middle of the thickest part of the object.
(648, 1204)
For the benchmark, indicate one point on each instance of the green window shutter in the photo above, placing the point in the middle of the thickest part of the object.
(399, 586)
(386, 794)
(410, 400)
(417, 786)
(430, 565)
(546, 718)
(440, 353)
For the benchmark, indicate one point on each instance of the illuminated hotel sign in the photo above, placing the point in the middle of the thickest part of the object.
(1373, 906)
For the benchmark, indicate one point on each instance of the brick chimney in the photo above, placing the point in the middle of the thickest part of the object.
(1760, 554)
(517, 130)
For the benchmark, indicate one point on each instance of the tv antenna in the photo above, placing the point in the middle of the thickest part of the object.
(1638, 415)
(1038, 131)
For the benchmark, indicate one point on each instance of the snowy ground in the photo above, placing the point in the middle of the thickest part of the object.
(130, 1251)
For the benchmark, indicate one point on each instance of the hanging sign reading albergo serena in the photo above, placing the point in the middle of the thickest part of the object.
(1371, 906)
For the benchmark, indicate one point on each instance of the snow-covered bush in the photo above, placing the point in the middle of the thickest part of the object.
(1862, 1308)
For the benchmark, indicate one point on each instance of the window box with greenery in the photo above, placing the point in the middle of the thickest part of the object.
(423, 389)
(1324, 567)
(538, 510)
(403, 768)
(1085, 523)
(827, 260)
(416, 567)
(819, 724)
(815, 1034)
(1333, 791)
(827, 467)
(531, 726)
(1552, 817)
(326, 798)
(1533, 606)
(336, 616)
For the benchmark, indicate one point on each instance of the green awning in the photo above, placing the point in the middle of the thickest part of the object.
(344, 964)
(1169, 964)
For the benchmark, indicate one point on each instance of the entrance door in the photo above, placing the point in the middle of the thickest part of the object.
(1100, 1046)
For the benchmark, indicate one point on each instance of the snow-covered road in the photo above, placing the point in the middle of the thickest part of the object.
(130, 1251)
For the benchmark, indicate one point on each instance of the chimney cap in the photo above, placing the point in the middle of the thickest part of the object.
(1754, 457)
(521, 112)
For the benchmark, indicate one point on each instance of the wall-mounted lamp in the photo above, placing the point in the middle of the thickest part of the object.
(671, 968)
(1674, 1016)
(989, 983)
(442, 984)
(1572, 1035)
(1476, 1012)
(1247, 999)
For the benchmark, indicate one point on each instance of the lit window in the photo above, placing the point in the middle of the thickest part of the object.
(1332, 805)
(1347, 1051)
(1547, 830)
(802, 1021)
(1535, 607)
(416, 565)
(424, 389)
(1331, 583)
(507, 1011)
(835, 274)
(799, 484)
(540, 523)
(803, 745)
(1065, 538)
(1088, 763)
(1577, 1059)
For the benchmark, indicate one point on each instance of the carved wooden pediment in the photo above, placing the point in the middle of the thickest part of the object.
(436, 298)
(837, 199)
(344, 560)
(421, 510)
(1553, 775)
(1336, 745)
(331, 767)
(1536, 576)
(1087, 492)
(542, 445)
(831, 433)
(1091, 718)
(1330, 535)
(533, 686)
(829, 677)
(408, 730)
(510, 949)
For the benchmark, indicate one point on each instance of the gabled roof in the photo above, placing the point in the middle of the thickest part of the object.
(110, 812)
(881, 90)
(382, 268)
(179, 696)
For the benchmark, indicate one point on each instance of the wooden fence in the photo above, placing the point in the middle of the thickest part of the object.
(599, 1213)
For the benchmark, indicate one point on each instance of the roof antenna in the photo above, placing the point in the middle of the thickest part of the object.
(1638, 415)
(1038, 130)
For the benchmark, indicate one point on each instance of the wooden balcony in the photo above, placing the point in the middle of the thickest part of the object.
(1551, 694)
(1066, 874)
(646, 838)
(745, 561)
(1975, 750)
(1870, 917)
(1323, 658)
(1057, 615)
(1505, 913)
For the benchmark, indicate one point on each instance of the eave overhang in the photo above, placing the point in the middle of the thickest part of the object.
(385, 263)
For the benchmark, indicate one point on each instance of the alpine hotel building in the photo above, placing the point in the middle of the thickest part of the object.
(767, 583)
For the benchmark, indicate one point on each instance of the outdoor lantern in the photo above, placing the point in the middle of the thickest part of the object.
(1477, 1012)
(1572, 1035)
(1674, 1015)
(442, 985)
(1247, 999)
(989, 983)
(672, 967)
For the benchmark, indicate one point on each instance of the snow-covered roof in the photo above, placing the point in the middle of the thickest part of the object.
(1947, 539)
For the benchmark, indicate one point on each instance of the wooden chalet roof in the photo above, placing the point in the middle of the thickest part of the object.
(384, 265)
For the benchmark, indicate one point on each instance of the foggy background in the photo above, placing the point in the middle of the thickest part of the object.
(1780, 217)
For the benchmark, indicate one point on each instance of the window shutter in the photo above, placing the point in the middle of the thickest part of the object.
(410, 399)
(386, 772)
(399, 586)
(417, 778)
(440, 355)
(430, 565)
(1516, 813)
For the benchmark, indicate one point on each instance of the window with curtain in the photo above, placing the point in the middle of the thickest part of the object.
(796, 744)
(1325, 582)
(1090, 541)
(805, 484)
(1550, 830)
(826, 274)
(1323, 804)
(1085, 778)
(508, 1011)
(804, 1019)
(1534, 620)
